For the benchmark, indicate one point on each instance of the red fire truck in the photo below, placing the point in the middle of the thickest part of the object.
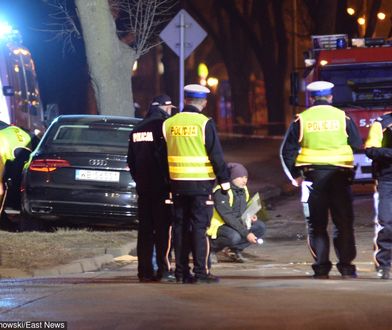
(362, 75)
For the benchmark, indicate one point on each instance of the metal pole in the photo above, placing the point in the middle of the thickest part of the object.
(295, 45)
(182, 61)
(27, 91)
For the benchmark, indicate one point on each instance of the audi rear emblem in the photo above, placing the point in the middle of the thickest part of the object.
(98, 162)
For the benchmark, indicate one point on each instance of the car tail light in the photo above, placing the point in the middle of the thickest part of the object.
(48, 165)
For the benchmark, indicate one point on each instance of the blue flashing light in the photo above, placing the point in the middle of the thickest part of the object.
(5, 29)
(341, 43)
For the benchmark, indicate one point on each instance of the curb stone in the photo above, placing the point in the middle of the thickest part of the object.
(120, 251)
(13, 272)
(75, 267)
(71, 268)
(102, 260)
(88, 264)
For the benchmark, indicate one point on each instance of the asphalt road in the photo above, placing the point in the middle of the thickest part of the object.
(273, 290)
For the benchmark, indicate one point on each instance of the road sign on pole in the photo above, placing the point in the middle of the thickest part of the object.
(183, 34)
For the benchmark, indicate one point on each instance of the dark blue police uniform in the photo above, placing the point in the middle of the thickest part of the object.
(147, 162)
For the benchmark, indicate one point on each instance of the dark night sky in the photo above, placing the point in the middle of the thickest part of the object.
(61, 76)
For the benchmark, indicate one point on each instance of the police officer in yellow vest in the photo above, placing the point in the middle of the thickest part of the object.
(14, 151)
(317, 154)
(195, 160)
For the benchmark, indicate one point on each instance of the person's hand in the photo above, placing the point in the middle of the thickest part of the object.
(253, 218)
(251, 238)
(297, 181)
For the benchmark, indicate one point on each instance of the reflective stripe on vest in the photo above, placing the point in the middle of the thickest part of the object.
(216, 220)
(187, 155)
(323, 137)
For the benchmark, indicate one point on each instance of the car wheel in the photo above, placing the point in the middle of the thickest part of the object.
(30, 223)
(7, 224)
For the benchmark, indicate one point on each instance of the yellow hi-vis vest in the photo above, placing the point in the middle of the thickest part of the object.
(185, 138)
(323, 137)
(376, 136)
(11, 138)
(216, 220)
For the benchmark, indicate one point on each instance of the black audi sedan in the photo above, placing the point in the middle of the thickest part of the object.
(78, 174)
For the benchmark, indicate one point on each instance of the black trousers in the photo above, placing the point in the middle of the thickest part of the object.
(231, 238)
(192, 216)
(383, 228)
(327, 191)
(155, 219)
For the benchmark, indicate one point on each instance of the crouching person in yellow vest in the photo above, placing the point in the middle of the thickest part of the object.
(14, 151)
(227, 229)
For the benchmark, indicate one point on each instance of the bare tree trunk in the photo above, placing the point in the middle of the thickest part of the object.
(325, 16)
(170, 76)
(238, 64)
(272, 54)
(222, 27)
(110, 61)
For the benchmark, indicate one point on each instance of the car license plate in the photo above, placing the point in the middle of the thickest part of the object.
(101, 176)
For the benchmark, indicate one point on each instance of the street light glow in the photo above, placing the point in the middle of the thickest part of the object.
(381, 16)
(161, 68)
(361, 20)
(212, 82)
(350, 11)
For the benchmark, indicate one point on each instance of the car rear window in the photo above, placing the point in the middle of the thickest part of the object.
(104, 137)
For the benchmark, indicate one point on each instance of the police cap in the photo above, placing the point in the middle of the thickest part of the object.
(162, 100)
(196, 91)
(320, 88)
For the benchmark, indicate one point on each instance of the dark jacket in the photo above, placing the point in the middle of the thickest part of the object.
(215, 154)
(290, 147)
(231, 215)
(382, 157)
(147, 156)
